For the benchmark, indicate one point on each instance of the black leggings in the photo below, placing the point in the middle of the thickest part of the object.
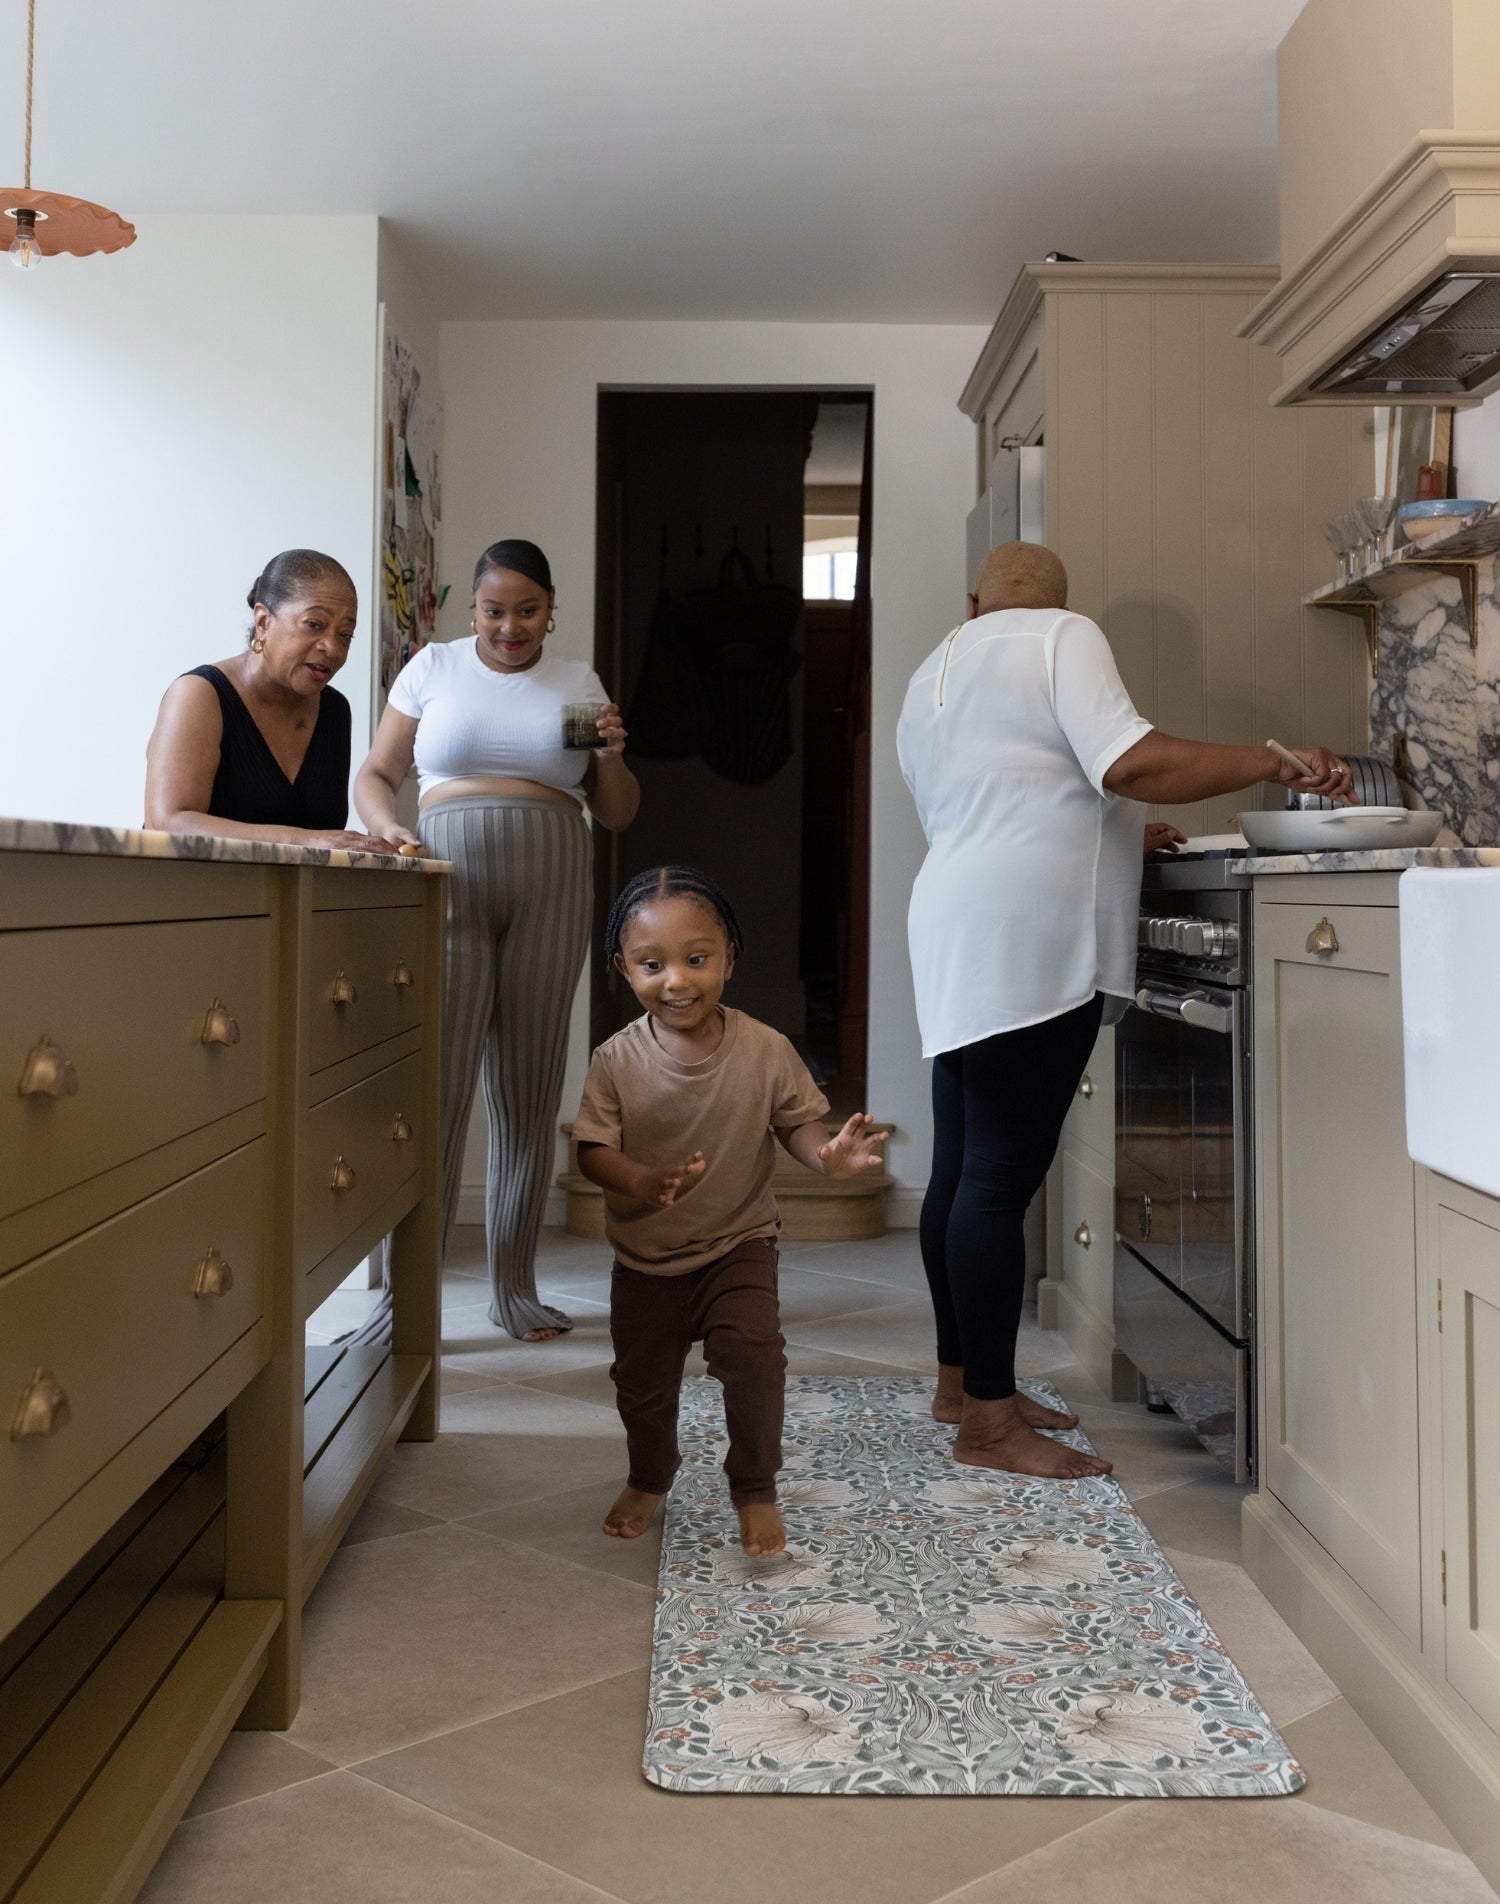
(998, 1108)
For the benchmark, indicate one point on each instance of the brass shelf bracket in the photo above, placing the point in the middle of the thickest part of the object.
(1369, 614)
(1465, 571)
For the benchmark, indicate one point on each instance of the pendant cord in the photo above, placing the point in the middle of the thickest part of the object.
(30, 55)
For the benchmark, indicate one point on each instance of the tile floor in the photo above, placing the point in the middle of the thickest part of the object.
(475, 1677)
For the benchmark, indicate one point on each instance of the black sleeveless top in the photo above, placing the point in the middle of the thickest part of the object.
(250, 785)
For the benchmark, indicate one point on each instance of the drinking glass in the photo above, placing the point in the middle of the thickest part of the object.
(580, 721)
(1344, 534)
(1376, 513)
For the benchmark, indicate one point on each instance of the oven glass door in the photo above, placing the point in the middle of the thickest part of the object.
(1180, 1193)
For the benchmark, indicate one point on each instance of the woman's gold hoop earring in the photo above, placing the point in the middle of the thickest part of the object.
(551, 623)
(258, 645)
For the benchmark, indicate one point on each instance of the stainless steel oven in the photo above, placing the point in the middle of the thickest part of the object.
(1184, 1203)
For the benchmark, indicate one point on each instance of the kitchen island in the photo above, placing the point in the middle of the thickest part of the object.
(1376, 1530)
(226, 1062)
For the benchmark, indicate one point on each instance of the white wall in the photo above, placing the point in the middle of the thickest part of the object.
(173, 416)
(520, 404)
(1476, 450)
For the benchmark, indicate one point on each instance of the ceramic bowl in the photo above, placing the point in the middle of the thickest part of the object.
(1419, 519)
(1340, 830)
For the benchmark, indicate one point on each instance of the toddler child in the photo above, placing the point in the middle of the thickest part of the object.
(676, 1127)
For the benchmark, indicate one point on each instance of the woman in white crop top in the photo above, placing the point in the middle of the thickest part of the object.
(502, 798)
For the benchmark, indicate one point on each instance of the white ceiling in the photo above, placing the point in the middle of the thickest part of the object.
(886, 160)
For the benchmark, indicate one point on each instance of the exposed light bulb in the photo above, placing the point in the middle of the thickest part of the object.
(25, 252)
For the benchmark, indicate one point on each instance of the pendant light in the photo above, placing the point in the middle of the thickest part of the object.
(40, 224)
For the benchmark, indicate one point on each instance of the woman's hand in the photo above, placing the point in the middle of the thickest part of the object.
(403, 836)
(1325, 774)
(343, 842)
(855, 1148)
(1161, 837)
(611, 732)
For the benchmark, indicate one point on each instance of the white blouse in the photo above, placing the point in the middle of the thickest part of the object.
(1028, 899)
(476, 720)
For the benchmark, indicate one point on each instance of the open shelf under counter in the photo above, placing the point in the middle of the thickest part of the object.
(1458, 552)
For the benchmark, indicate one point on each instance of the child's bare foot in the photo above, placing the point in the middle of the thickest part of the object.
(996, 1435)
(761, 1531)
(948, 1403)
(632, 1513)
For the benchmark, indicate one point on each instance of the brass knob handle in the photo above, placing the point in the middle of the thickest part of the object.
(1085, 1086)
(401, 1129)
(343, 1176)
(213, 1276)
(219, 1026)
(42, 1409)
(1323, 938)
(403, 976)
(343, 990)
(1084, 1235)
(47, 1072)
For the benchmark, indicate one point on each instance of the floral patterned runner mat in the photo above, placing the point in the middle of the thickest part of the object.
(933, 1629)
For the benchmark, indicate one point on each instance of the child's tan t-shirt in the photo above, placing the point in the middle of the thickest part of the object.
(638, 1099)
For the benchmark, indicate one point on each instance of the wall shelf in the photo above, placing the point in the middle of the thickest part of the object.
(1457, 552)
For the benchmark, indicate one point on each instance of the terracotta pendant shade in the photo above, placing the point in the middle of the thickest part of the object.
(64, 224)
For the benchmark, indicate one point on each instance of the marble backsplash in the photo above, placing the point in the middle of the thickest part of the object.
(1445, 697)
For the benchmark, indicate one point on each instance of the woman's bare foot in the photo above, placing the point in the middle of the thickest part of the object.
(632, 1513)
(541, 1335)
(948, 1403)
(996, 1435)
(761, 1531)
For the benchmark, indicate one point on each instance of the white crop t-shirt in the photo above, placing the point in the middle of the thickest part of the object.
(476, 720)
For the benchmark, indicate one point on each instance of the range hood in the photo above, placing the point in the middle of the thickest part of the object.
(1400, 302)
(1444, 343)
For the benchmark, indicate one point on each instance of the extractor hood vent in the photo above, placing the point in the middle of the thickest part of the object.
(1445, 342)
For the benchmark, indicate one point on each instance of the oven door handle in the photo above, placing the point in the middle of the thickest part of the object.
(1193, 1008)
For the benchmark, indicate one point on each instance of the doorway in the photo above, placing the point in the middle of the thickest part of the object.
(732, 624)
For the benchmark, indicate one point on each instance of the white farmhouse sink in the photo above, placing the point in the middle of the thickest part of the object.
(1450, 1007)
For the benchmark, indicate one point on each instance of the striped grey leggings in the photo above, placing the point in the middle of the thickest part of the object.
(518, 923)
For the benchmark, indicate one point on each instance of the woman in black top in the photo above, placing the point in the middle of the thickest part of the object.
(257, 747)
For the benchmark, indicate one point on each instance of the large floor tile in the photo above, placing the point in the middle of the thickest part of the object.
(1350, 1771)
(894, 1259)
(503, 1443)
(251, 1765)
(1239, 1850)
(901, 1333)
(569, 1527)
(1198, 1517)
(472, 1343)
(563, 1781)
(1278, 1668)
(408, 1637)
(1149, 1452)
(343, 1840)
(806, 1297)
(380, 1520)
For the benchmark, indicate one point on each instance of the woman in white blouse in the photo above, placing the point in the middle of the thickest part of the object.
(503, 798)
(1027, 762)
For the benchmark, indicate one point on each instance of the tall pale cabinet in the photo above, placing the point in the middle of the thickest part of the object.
(1189, 515)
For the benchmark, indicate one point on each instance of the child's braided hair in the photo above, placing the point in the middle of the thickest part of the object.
(670, 882)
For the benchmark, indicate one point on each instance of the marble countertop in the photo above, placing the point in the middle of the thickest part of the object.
(64, 836)
(1386, 859)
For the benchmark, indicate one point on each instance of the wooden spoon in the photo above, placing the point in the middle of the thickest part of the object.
(1291, 759)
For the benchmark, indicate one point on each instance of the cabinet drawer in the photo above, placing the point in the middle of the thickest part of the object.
(354, 1156)
(1091, 1120)
(1339, 937)
(366, 979)
(114, 1319)
(1088, 1234)
(127, 1007)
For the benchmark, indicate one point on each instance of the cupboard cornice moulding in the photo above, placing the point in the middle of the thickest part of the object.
(1037, 281)
(1436, 208)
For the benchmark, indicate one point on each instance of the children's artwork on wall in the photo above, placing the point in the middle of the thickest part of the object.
(410, 509)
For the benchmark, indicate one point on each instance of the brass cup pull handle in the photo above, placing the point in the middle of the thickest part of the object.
(1084, 1235)
(343, 990)
(343, 1176)
(1085, 1086)
(42, 1408)
(401, 1129)
(220, 1027)
(1323, 938)
(213, 1276)
(403, 977)
(47, 1072)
